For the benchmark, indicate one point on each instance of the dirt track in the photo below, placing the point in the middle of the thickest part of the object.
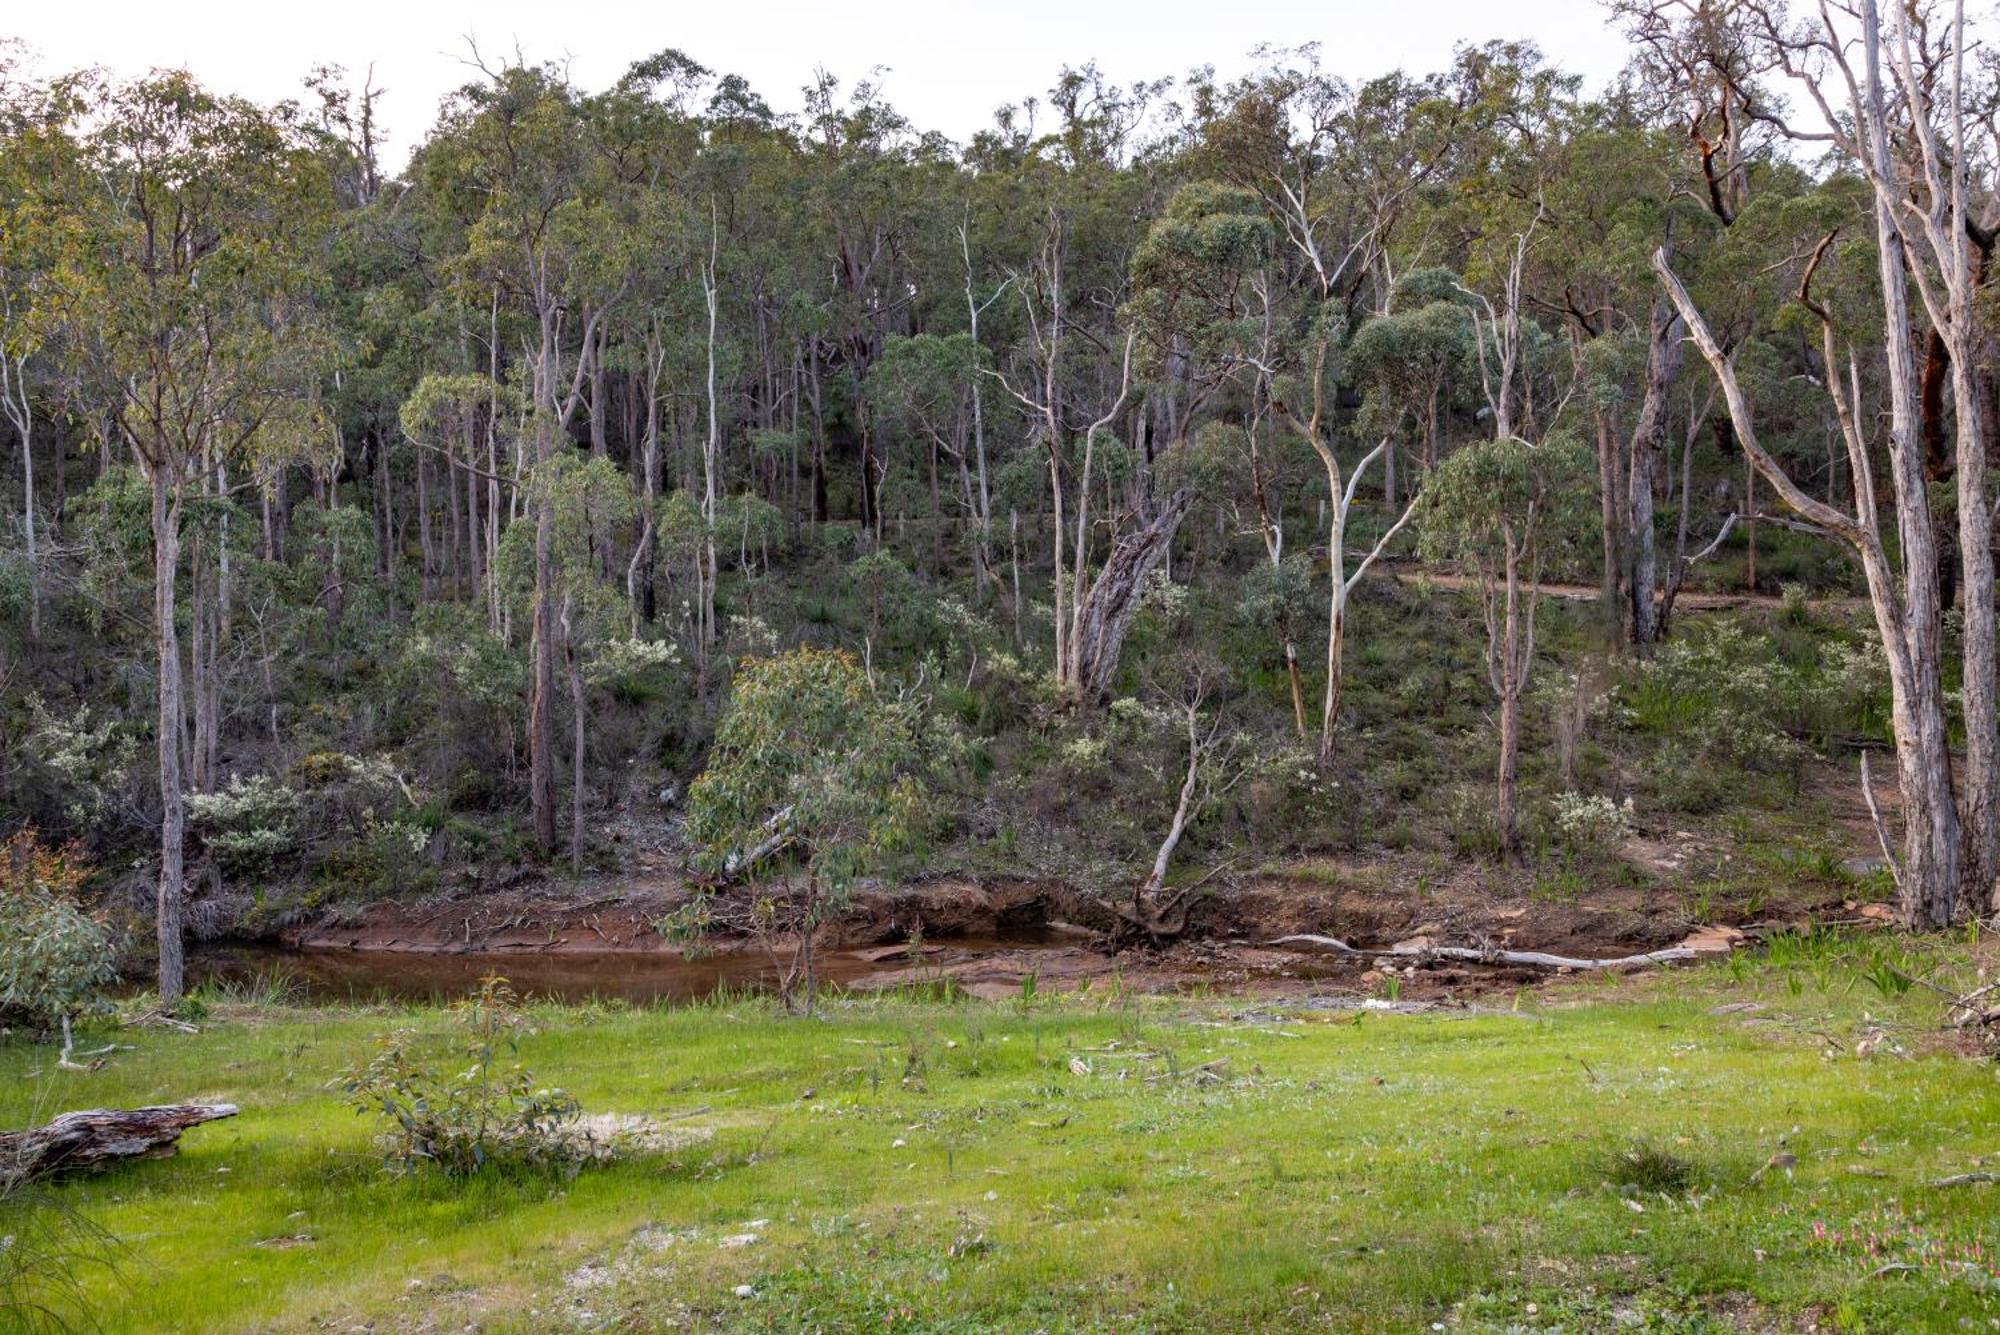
(1687, 599)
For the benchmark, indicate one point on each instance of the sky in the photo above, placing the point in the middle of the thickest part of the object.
(947, 66)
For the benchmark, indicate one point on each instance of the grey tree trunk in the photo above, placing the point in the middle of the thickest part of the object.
(173, 805)
(1105, 614)
(1663, 360)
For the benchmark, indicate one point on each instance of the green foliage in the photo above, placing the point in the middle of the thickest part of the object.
(1496, 501)
(809, 749)
(55, 959)
(488, 1115)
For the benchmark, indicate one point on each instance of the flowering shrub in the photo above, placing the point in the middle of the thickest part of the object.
(248, 826)
(90, 759)
(1591, 824)
(1728, 694)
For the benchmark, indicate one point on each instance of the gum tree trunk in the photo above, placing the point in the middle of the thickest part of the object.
(173, 805)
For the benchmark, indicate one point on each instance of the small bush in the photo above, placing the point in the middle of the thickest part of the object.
(484, 1115)
(55, 959)
(1591, 824)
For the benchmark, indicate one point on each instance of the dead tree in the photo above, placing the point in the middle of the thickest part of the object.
(100, 1136)
(1104, 615)
(1211, 773)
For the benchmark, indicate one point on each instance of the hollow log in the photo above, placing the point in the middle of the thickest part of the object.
(99, 1136)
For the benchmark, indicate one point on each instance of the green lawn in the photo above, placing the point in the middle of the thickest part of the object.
(1093, 1163)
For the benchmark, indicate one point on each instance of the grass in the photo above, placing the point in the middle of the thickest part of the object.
(1602, 1157)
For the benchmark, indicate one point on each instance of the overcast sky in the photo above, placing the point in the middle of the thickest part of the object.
(948, 65)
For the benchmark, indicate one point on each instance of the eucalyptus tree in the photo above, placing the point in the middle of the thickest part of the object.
(1696, 79)
(1907, 131)
(1406, 364)
(191, 271)
(1507, 509)
(37, 144)
(543, 239)
(1343, 172)
(590, 501)
(1204, 303)
(924, 387)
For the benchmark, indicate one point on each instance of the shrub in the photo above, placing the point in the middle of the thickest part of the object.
(484, 1115)
(248, 826)
(813, 768)
(1591, 824)
(55, 959)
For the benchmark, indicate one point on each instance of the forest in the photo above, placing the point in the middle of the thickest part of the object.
(820, 634)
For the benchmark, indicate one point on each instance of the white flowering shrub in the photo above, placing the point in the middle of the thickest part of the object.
(1593, 824)
(619, 657)
(250, 826)
(1727, 695)
(89, 759)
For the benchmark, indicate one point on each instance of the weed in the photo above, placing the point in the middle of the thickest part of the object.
(1641, 1166)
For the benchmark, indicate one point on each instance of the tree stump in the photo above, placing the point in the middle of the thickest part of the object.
(99, 1136)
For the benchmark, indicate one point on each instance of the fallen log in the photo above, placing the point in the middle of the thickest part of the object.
(99, 1136)
(1531, 959)
(1966, 1179)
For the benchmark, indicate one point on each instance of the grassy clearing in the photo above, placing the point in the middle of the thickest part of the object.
(1600, 1158)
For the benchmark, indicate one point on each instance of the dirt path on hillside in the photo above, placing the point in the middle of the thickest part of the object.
(1687, 599)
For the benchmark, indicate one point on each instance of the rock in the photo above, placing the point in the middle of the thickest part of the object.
(1879, 912)
(740, 1240)
(1716, 940)
(745, 1291)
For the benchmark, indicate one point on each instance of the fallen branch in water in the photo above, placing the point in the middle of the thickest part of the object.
(1532, 959)
(99, 1136)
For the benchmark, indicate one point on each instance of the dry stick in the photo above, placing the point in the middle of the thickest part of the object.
(1528, 958)
(1881, 831)
(1968, 1013)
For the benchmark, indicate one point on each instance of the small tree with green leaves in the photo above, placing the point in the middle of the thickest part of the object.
(55, 959)
(1504, 510)
(813, 768)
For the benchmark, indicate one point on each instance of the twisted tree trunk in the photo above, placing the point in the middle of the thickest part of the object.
(1107, 610)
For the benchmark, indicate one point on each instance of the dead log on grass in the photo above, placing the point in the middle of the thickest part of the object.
(1530, 959)
(100, 1136)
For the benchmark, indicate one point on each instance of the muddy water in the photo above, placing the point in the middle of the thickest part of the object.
(649, 976)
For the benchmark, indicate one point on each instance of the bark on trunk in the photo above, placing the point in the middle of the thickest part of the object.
(1107, 611)
(1663, 361)
(173, 808)
(541, 700)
